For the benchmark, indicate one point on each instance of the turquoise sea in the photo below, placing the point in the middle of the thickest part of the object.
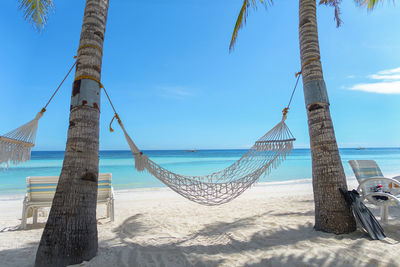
(121, 164)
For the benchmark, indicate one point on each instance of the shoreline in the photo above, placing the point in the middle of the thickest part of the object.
(11, 197)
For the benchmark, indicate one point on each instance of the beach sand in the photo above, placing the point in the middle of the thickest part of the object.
(269, 225)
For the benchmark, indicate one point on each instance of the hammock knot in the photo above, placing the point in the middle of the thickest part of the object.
(111, 129)
(285, 111)
(118, 119)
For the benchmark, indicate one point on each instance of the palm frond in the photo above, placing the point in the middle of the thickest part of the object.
(369, 3)
(36, 11)
(241, 19)
(335, 4)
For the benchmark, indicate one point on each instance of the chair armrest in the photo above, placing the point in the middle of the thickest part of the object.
(370, 196)
(396, 178)
(386, 180)
(26, 199)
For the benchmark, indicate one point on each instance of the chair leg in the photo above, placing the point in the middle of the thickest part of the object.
(112, 209)
(24, 216)
(35, 215)
(384, 213)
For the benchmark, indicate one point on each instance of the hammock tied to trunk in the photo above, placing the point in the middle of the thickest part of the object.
(225, 185)
(15, 146)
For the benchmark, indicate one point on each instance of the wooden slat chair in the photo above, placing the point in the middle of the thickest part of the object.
(41, 190)
(376, 188)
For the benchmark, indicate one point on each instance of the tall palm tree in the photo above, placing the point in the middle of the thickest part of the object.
(331, 212)
(70, 235)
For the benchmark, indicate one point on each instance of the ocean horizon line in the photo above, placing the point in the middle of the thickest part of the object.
(219, 149)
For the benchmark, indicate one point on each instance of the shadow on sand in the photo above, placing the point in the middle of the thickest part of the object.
(126, 249)
(190, 251)
(21, 256)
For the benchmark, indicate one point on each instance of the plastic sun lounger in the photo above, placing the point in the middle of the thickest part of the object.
(374, 187)
(41, 190)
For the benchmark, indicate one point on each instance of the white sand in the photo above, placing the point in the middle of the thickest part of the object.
(269, 225)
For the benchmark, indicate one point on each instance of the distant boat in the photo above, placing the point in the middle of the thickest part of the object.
(360, 148)
(190, 150)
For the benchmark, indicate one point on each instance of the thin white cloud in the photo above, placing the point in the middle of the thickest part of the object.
(380, 88)
(388, 72)
(351, 77)
(384, 77)
(176, 92)
(388, 82)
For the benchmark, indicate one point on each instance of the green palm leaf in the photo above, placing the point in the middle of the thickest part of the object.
(244, 11)
(369, 3)
(241, 19)
(36, 11)
(335, 4)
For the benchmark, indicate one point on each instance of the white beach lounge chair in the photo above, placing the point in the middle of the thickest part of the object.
(376, 188)
(41, 190)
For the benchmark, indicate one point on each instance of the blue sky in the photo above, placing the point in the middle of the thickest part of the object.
(168, 71)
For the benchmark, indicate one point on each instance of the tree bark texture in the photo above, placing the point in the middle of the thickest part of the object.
(331, 212)
(70, 235)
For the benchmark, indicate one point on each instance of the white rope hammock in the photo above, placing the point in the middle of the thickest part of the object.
(15, 146)
(222, 186)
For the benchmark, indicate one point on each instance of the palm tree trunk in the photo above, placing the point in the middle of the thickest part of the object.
(70, 235)
(331, 212)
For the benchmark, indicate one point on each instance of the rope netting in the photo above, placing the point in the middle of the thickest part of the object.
(15, 146)
(222, 186)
